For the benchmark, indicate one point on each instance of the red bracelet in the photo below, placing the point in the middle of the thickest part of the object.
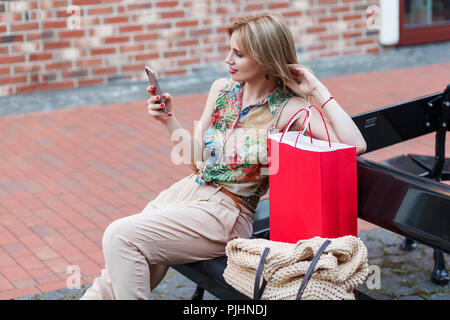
(326, 102)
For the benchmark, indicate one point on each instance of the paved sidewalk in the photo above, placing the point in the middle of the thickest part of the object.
(68, 173)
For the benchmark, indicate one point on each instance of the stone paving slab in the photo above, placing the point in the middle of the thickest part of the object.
(404, 275)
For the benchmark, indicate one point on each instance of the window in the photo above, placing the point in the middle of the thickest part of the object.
(423, 21)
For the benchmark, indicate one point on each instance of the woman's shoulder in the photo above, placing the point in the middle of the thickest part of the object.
(223, 84)
(219, 82)
(293, 104)
(215, 91)
(296, 101)
(217, 87)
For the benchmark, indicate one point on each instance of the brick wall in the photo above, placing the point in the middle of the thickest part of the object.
(46, 44)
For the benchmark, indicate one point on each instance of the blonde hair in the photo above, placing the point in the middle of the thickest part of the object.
(268, 40)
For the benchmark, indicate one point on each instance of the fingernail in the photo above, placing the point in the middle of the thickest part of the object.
(164, 96)
(169, 114)
(152, 87)
(162, 104)
(157, 97)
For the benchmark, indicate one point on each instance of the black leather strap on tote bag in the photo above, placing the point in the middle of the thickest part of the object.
(258, 290)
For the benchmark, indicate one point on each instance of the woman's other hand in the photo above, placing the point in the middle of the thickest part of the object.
(155, 106)
(307, 82)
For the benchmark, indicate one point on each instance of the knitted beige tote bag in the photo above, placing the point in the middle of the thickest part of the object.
(340, 268)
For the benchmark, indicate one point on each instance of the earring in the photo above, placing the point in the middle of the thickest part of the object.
(267, 76)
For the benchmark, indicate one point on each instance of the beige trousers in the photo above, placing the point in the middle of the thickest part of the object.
(186, 222)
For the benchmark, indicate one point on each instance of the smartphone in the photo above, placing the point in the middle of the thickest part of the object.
(154, 82)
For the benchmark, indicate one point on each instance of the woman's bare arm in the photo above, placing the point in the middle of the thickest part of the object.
(195, 143)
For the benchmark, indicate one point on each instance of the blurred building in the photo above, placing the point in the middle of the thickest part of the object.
(56, 44)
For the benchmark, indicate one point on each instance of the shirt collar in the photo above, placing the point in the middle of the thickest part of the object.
(273, 100)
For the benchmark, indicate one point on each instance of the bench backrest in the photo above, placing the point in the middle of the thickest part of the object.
(390, 125)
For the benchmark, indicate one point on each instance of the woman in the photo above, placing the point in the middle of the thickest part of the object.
(194, 218)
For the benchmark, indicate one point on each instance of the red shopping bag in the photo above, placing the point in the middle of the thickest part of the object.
(312, 186)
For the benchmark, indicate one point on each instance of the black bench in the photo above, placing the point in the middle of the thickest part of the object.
(414, 202)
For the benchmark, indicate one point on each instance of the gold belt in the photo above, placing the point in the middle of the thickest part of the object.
(237, 201)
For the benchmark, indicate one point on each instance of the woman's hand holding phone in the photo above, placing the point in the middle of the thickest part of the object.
(155, 105)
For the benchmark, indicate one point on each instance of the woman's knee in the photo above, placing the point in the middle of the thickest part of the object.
(118, 231)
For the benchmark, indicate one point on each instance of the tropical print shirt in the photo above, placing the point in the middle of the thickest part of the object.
(237, 162)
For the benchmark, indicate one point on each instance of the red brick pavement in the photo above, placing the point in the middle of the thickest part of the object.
(67, 174)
